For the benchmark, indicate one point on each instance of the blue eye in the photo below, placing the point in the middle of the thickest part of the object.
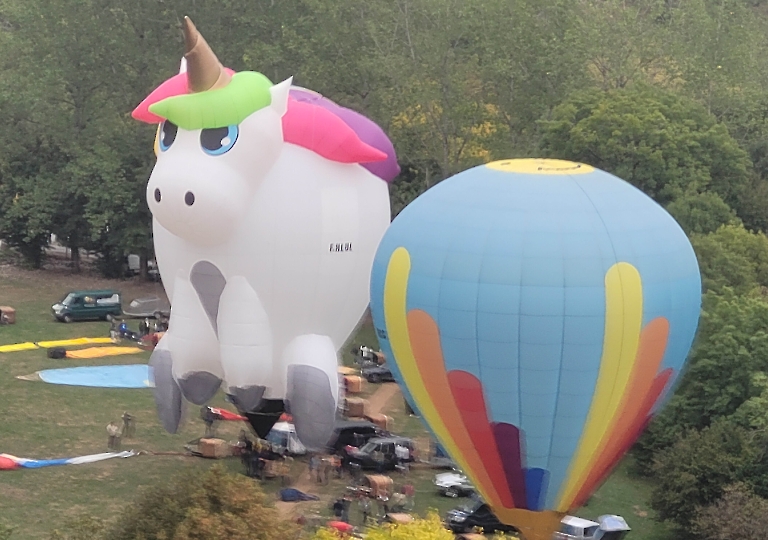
(167, 135)
(217, 141)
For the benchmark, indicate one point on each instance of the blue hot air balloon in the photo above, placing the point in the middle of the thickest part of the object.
(538, 312)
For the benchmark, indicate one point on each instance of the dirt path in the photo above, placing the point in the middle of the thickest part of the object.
(376, 403)
(381, 397)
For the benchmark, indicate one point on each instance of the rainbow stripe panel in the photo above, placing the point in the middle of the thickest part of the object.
(538, 313)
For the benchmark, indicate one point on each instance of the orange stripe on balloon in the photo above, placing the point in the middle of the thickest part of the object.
(650, 352)
(425, 342)
(625, 442)
(467, 392)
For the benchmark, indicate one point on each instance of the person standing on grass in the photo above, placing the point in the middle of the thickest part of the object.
(338, 508)
(364, 503)
(345, 504)
(313, 462)
(129, 425)
(113, 433)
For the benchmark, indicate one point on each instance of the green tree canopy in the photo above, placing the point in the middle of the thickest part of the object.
(702, 213)
(215, 505)
(739, 513)
(695, 471)
(664, 144)
(732, 257)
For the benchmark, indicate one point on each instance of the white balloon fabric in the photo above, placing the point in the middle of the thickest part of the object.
(265, 227)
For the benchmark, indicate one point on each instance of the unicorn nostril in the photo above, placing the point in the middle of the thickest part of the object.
(189, 198)
(157, 194)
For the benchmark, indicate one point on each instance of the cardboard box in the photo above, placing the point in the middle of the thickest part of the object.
(381, 420)
(214, 448)
(8, 314)
(399, 518)
(355, 406)
(353, 384)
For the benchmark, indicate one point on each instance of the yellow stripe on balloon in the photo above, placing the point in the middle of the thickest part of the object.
(395, 318)
(623, 324)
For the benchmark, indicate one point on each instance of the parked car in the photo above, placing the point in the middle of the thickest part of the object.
(453, 484)
(379, 453)
(151, 306)
(353, 433)
(83, 305)
(376, 373)
(476, 514)
(575, 528)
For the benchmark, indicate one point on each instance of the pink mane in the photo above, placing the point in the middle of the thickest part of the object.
(304, 124)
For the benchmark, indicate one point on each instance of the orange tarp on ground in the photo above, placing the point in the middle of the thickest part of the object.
(96, 352)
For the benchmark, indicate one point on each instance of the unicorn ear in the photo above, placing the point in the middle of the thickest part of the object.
(279, 93)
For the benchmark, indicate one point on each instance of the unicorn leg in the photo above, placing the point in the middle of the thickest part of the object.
(170, 406)
(245, 338)
(312, 388)
(193, 343)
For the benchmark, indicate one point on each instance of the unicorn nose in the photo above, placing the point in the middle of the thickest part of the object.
(189, 198)
(157, 194)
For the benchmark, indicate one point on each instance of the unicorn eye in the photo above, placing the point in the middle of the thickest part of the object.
(217, 141)
(167, 135)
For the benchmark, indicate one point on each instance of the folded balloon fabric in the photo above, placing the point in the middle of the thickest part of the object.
(98, 352)
(76, 341)
(28, 345)
(17, 347)
(9, 462)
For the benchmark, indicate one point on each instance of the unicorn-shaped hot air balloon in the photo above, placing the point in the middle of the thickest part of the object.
(268, 205)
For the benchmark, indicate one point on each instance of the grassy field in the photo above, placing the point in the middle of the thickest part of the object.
(39, 420)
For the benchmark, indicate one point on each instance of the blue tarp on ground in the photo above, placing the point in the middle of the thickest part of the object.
(127, 376)
(294, 495)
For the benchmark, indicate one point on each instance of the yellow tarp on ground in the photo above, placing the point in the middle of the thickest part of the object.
(18, 347)
(96, 352)
(76, 341)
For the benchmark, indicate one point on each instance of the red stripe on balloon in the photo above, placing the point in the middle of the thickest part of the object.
(508, 444)
(467, 392)
(428, 354)
(598, 476)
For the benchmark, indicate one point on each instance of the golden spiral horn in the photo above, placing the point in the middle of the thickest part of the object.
(204, 71)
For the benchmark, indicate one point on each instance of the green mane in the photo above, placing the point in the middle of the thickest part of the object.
(246, 93)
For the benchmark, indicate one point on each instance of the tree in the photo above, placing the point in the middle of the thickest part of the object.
(719, 50)
(664, 144)
(722, 379)
(739, 513)
(732, 257)
(695, 471)
(209, 506)
(702, 213)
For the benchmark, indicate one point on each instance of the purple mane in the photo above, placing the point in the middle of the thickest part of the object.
(367, 130)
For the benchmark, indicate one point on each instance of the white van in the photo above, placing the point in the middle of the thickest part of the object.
(575, 528)
(283, 434)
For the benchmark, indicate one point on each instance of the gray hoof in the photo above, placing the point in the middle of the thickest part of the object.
(310, 401)
(199, 387)
(167, 392)
(247, 399)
